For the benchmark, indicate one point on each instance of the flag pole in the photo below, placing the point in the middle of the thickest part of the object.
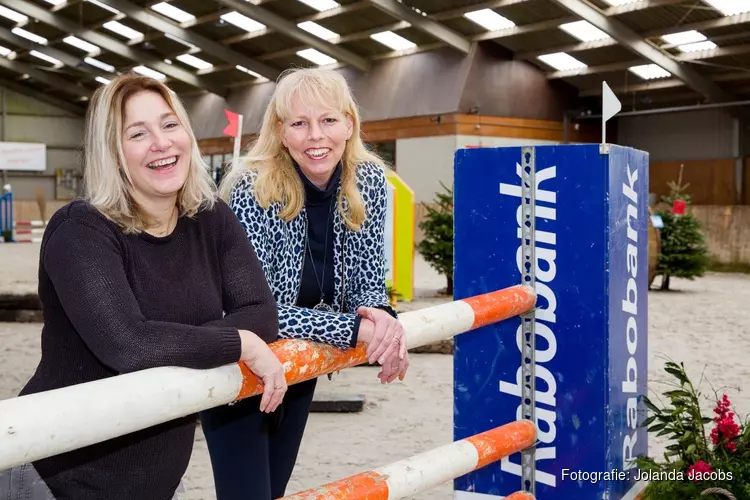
(237, 143)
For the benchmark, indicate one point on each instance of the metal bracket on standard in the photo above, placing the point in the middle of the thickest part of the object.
(528, 277)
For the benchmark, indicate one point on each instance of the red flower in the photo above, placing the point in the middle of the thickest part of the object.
(699, 468)
(722, 408)
(726, 428)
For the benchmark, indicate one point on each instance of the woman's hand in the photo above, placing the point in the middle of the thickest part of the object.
(394, 367)
(386, 343)
(261, 360)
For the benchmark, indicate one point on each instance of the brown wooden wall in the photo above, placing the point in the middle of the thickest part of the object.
(727, 232)
(711, 182)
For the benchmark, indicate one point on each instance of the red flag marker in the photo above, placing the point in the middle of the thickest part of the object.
(233, 128)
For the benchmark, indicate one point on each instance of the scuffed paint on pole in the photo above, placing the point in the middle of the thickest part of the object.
(425, 471)
(93, 412)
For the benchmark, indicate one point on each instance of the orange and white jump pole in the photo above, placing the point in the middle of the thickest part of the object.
(425, 471)
(96, 411)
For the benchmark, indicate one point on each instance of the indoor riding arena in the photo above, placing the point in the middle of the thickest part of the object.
(566, 238)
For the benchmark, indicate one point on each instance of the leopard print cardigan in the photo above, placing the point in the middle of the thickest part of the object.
(359, 259)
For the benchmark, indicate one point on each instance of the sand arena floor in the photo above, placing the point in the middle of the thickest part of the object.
(705, 323)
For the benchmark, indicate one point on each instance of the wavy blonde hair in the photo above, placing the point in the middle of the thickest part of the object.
(106, 181)
(278, 180)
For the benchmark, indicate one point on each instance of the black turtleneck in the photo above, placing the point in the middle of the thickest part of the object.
(319, 204)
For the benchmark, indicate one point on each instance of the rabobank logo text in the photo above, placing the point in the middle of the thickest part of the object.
(546, 341)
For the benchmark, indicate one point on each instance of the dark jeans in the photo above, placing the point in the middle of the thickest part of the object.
(252, 453)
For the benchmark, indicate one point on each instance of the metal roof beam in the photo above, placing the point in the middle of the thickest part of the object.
(662, 84)
(62, 56)
(157, 22)
(719, 22)
(360, 35)
(325, 14)
(47, 78)
(43, 97)
(111, 45)
(634, 42)
(730, 50)
(608, 42)
(422, 23)
(291, 29)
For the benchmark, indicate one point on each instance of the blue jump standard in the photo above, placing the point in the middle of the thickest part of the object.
(591, 245)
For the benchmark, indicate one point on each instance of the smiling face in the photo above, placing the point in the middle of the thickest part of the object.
(156, 148)
(316, 138)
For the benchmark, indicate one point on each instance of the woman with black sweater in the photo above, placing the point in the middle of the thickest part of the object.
(148, 269)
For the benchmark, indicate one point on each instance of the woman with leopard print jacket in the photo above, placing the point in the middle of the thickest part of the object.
(312, 200)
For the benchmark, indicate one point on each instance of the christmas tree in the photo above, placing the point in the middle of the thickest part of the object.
(683, 248)
(437, 245)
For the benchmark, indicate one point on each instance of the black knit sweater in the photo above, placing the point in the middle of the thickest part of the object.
(116, 303)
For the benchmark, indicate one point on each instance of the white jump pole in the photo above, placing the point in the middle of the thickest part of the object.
(423, 472)
(41, 425)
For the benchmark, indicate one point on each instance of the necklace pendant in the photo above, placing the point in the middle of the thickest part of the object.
(322, 306)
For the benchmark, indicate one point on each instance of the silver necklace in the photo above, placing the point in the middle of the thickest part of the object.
(321, 306)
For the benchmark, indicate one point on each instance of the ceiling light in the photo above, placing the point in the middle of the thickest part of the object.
(317, 57)
(5, 51)
(318, 30)
(45, 57)
(13, 15)
(243, 22)
(730, 7)
(649, 71)
(149, 72)
(102, 80)
(321, 5)
(85, 46)
(562, 61)
(98, 64)
(193, 61)
(104, 6)
(489, 19)
(173, 12)
(55, 2)
(122, 30)
(29, 36)
(684, 37)
(689, 41)
(393, 41)
(584, 31)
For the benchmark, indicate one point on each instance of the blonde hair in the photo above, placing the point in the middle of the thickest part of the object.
(278, 180)
(106, 180)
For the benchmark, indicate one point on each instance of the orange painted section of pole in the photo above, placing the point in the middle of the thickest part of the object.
(503, 441)
(365, 486)
(303, 361)
(501, 304)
